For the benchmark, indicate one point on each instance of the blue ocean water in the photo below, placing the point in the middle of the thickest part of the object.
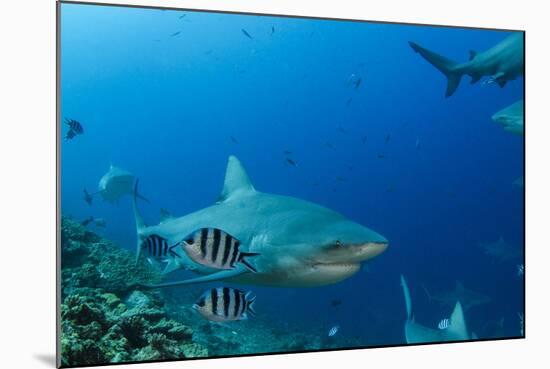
(432, 174)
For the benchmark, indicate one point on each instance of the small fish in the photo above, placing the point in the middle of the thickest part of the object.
(444, 324)
(358, 83)
(182, 16)
(216, 249)
(335, 303)
(272, 29)
(350, 168)
(349, 101)
(291, 162)
(246, 33)
(329, 145)
(521, 270)
(87, 221)
(175, 34)
(70, 135)
(387, 139)
(225, 304)
(341, 129)
(74, 126)
(100, 222)
(521, 324)
(287, 152)
(233, 139)
(157, 248)
(332, 332)
(380, 156)
(341, 179)
(87, 197)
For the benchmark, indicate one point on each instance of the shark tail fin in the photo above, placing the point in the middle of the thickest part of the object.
(446, 66)
(246, 263)
(250, 304)
(458, 323)
(407, 295)
(140, 224)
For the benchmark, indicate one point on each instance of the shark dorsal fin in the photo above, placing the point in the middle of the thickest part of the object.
(458, 327)
(236, 180)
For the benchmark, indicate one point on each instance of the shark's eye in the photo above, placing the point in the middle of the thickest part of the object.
(338, 244)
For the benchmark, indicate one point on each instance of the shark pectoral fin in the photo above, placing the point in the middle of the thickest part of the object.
(203, 279)
(407, 294)
(458, 329)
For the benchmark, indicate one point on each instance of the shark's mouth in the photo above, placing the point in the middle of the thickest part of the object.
(336, 266)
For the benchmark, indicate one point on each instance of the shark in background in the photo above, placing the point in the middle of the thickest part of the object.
(467, 297)
(511, 118)
(298, 243)
(502, 251)
(456, 330)
(115, 184)
(501, 63)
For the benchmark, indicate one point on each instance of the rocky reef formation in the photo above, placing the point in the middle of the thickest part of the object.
(104, 317)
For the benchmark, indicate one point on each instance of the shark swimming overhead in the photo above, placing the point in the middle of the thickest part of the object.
(455, 330)
(502, 63)
(115, 184)
(296, 243)
(511, 118)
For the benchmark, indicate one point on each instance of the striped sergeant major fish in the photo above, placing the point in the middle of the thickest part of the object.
(225, 304)
(444, 324)
(216, 249)
(156, 248)
(74, 126)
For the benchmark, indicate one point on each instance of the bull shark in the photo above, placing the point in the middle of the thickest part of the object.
(511, 118)
(417, 333)
(502, 63)
(116, 183)
(467, 298)
(299, 243)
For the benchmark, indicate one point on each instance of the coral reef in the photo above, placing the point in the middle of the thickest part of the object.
(104, 318)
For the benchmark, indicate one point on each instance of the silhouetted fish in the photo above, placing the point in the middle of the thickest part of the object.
(287, 152)
(358, 83)
(175, 34)
(291, 162)
(341, 129)
(272, 29)
(349, 101)
(380, 156)
(233, 139)
(335, 302)
(246, 33)
(182, 16)
(87, 221)
(87, 197)
(387, 139)
(329, 145)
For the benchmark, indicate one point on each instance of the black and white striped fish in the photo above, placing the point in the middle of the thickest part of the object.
(215, 248)
(74, 126)
(444, 324)
(225, 304)
(156, 248)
